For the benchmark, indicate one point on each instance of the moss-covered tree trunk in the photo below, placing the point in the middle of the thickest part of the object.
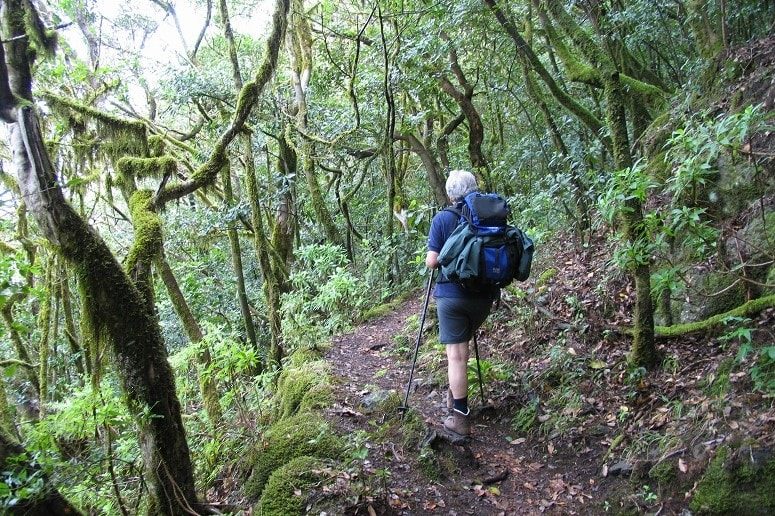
(116, 308)
(113, 302)
(71, 333)
(300, 52)
(207, 384)
(643, 351)
(234, 243)
(266, 260)
(44, 327)
(236, 259)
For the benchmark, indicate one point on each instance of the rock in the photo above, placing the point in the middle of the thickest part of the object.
(622, 468)
(373, 400)
(700, 303)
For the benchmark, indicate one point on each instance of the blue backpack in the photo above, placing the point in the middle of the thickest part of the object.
(484, 251)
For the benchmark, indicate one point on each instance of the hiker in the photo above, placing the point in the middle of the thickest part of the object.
(460, 312)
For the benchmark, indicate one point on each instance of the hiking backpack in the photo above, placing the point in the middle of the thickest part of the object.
(484, 251)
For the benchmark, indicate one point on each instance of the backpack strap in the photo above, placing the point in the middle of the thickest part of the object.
(465, 212)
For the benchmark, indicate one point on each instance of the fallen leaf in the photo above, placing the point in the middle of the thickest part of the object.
(518, 441)
(682, 465)
(297, 492)
(494, 490)
(550, 449)
(605, 470)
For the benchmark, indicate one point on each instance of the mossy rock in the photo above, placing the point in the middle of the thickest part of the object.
(758, 237)
(664, 473)
(700, 305)
(288, 488)
(301, 356)
(302, 388)
(734, 483)
(297, 436)
(770, 281)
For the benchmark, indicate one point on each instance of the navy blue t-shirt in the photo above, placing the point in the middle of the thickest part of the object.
(442, 226)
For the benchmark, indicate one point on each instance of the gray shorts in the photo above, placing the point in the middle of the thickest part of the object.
(460, 317)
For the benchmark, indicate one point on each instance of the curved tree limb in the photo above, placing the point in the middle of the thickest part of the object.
(748, 309)
(248, 97)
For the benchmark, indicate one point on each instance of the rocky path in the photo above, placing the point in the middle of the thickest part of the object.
(490, 473)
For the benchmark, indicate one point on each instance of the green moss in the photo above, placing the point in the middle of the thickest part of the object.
(770, 281)
(545, 277)
(156, 145)
(302, 388)
(120, 136)
(429, 464)
(386, 308)
(147, 225)
(302, 356)
(664, 473)
(297, 436)
(288, 488)
(750, 308)
(735, 483)
(138, 168)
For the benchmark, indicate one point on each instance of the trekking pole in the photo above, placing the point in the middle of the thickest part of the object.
(405, 406)
(478, 369)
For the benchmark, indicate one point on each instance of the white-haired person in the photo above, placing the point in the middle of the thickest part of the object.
(460, 312)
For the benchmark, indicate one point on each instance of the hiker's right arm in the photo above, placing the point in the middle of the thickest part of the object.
(432, 259)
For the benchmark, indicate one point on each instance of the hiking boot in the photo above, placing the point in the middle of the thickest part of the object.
(458, 423)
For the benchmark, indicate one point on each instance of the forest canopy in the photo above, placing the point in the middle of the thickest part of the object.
(194, 192)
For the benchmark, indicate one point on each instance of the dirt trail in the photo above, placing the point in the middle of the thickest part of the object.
(491, 473)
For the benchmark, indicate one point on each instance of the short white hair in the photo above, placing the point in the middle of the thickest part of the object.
(459, 184)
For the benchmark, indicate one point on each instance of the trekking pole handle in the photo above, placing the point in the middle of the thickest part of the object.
(419, 338)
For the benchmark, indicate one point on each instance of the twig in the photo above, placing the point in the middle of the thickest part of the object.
(24, 36)
(497, 478)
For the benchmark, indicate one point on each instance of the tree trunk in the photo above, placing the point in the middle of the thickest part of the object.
(643, 351)
(71, 333)
(113, 302)
(44, 326)
(236, 260)
(300, 47)
(207, 384)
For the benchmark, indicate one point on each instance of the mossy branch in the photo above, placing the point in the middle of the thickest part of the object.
(140, 168)
(745, 310)
(594, 124)
(20, 363)
(125, 137)
(579, 70)
(248, 97)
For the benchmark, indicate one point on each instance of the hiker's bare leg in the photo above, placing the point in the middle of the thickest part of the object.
(457, 363)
